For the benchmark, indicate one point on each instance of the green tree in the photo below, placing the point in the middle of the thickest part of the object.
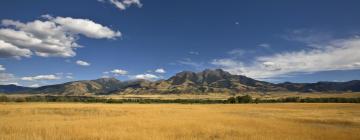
(244, 99)
(231, 100)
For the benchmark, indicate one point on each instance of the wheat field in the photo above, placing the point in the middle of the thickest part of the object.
(78, 121)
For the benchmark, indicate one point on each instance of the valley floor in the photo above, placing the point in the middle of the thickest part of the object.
(78, 121)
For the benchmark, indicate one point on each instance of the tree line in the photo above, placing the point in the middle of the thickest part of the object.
(246, 99)
(249, 99)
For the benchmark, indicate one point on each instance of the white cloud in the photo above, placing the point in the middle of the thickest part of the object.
(6, 78)
(146, 76)
(9, 78)
(105, 76)
(268, 64)
(357, 64)
(119, 72)
(271, 66)
(34, 85)
(237, 52)
(69, 77)
(122, 5)
(130, 2)
(41, 77)
(55, 36)
(44, 38)
(310, 37)
(86, 27)
(2, 68)
(160, 70)
(341, 54)
(233, 66)
(264, 45)
(190, 62)
(82, 63)
(118, 4)
(62, 75)
(9, 50)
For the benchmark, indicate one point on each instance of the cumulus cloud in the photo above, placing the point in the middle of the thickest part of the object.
(86, 27)
(82, 63)
(41, 77)
(160, 70)
(119, 72)
(9, 50)
(146, 76)
(54, 36)
(124, 4)
(340, 54)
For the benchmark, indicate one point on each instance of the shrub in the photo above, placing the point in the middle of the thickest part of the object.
(4, 98)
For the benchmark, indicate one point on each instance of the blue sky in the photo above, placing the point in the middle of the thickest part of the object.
(277, 41)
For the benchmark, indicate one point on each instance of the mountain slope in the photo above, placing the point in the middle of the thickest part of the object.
(207, 81)
(217, 81)
(102, 85)
(12, 88)
(201, 82)
(352, 86)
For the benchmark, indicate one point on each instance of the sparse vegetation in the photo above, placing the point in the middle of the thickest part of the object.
(231, 100)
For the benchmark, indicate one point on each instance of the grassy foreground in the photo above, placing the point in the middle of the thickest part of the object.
(77, 121)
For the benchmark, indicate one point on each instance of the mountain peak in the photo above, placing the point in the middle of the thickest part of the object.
(207, 76)
(209, 80)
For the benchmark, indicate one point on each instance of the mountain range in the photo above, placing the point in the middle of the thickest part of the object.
(207, 81)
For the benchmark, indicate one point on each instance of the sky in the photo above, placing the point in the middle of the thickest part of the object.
(46, 42)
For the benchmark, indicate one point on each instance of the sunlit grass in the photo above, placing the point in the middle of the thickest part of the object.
(74, 121)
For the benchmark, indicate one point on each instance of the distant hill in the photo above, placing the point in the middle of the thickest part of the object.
(97, 86)
(184, 82)
(351, 86)
(12, 88)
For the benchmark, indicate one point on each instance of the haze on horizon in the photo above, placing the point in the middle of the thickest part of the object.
(47, 42)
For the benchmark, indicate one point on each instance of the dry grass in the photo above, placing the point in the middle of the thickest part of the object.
(76, 121)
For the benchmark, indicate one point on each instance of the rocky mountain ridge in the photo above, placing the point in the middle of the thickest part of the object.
(207, 81)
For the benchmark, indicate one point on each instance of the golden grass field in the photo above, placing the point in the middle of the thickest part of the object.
(78, 121)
